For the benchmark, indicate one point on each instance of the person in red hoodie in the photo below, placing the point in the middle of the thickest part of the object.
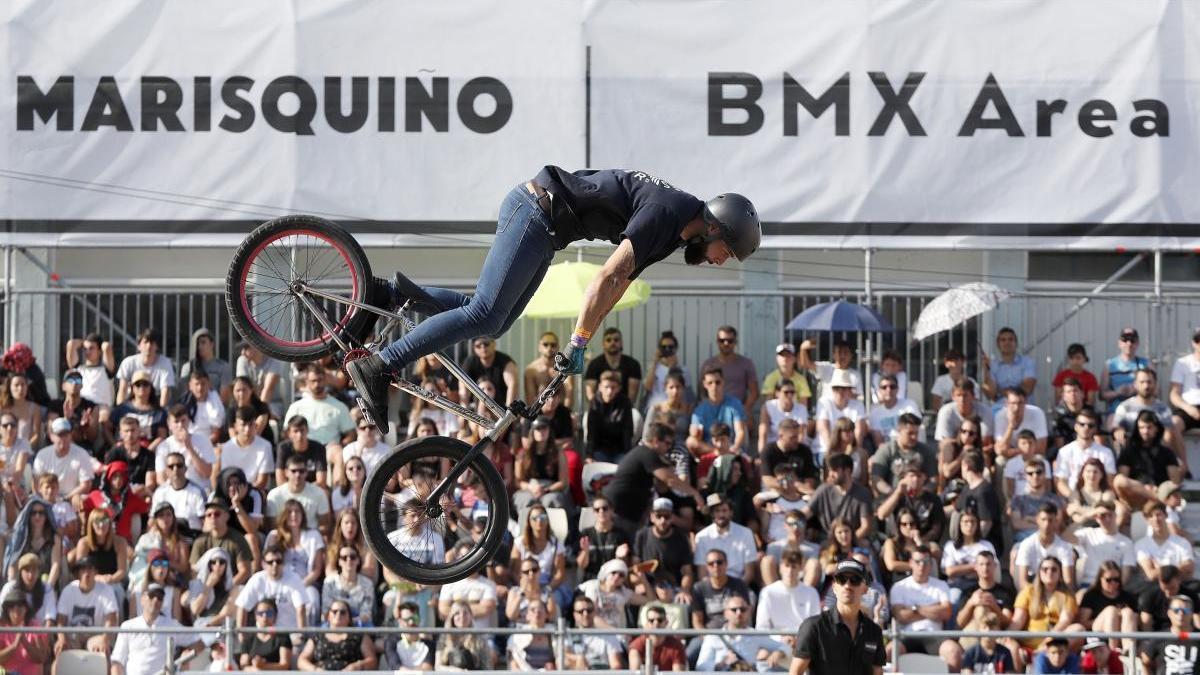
(115, 497)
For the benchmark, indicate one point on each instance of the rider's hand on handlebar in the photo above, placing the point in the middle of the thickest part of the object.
(570, 360)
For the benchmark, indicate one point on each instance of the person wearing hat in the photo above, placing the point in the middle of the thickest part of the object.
(21, 652)
(1076, 359)
(779, 407)
(786, 371)
(87, 417)
(838, 404)
(1116, 380)
(85, 603)
(116, 496)
(39, 595)
(667, 543)
(735, 539)
(146, 653)
(203, 356)
(157, 368)
(218, 535)
(71, 463)
(1185, 387)
(842, 640)
(611, 593)
(1098, 658)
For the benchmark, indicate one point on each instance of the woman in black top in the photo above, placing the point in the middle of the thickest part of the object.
(1106, 606)
(265, 648)
(1145, 458)
(338, 651)
(541, 470)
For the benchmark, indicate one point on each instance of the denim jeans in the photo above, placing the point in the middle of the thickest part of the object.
(513, 270)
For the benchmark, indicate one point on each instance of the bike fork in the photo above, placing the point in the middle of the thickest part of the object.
(459, 467)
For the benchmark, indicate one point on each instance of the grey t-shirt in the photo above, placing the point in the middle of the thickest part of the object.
(738, 374)
(949, 420)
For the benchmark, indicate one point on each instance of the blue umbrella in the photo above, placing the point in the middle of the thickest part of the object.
(840, 317)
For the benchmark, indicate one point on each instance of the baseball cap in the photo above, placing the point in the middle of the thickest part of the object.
(157, 554)
(60, 425)
(785, 347)
(14, 596)
(218, 502)
(715, 499)
(156, 589)
(542, 422)
(1167, 489)
(140, 376)
(850, 566)
(1092, 643)
(663, 504)
(72, 374)
(84, 561)
(1196, 335)
(1129, 333)
(160, 506)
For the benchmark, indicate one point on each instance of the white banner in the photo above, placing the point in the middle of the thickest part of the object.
(233, 110)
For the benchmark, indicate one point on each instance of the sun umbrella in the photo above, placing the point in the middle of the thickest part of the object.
(840, 317)
(956, 306)
(561, 294)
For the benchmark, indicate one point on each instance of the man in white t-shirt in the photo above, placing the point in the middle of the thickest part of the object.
(146, 653)
(1043, 544)
(943, 387)
(1014, 469)
(209, 417)
(184, 497)
(843, 359)
(93, 358)
(148, 359)
(1101, 543)
(71, 463)
(737, 541)
(886, 412)
(1072, 456)
(85, 603)
(963, 406)
(277, 582)
(1159, 547)
(1185, 387)
(312, 499)
(328, 419)
(921, 602)
(787, 602)
(1016, 415)
(476, 591)
(246, 450)
(197, 450)
(834, 407)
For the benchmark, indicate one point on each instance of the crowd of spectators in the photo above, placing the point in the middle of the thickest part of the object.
(169, 490)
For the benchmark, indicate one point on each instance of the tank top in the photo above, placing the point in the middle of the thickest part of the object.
(106, 560)
(544, 466)
(337, 655)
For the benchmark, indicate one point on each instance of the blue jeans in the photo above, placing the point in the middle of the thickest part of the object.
(513, 270)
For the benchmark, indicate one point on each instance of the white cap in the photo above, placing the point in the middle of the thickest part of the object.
(841, 378)
(663, 504)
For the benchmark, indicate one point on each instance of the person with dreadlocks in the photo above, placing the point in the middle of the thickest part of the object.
(116, 498)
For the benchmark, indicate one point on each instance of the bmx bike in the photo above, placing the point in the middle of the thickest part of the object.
(298, 290)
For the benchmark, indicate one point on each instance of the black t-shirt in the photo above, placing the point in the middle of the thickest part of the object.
(986, 503)
(560, 424)
(495, 372)
(1147, 465)
(629, 491)
(671, 553)
(825, 640)
(711, 601)
(628, 367)
(801, 458)
(138, 467)
(1174, 656)
(602, 547)
(268, 649)
(616, 204)
(1155, 603)
(1005, 596)
(1095, 600)
(314, 456)
(1062, 428)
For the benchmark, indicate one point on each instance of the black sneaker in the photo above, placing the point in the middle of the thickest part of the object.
(381, 293)
(372, 378)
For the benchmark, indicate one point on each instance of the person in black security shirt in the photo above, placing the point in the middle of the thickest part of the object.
(631, 488)
(842, 639)
(645, 217)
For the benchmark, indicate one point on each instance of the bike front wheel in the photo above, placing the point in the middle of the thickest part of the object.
(411, 533)
(272, 262)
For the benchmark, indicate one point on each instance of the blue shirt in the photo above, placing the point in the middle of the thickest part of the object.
(1121, 373)
(1041, 664)
(1009, 375)
(977, 660)
(707, 413)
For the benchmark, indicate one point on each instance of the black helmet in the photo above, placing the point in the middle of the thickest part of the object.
(737, 221)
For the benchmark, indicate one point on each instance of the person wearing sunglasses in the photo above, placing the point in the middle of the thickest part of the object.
(333, 652)
(843, 639)
(278, 582)
(218, 535)
(1179, 654)
(15, 454)
(265, 649)
(499, 368)
(588, 652)
(890, 404)
(740, 376)
(667, 651)
(724, 651)
(1023, 507)
(614, 358)
(1072, 456)
(786, 372)
(312, 498)
(1123, 422)
(665, 361)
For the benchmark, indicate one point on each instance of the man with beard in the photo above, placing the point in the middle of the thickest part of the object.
(646, 217)
(669, 545)
(613, 358)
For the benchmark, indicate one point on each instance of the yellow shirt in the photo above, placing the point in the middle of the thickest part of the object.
(771, 381)
(1051, 612)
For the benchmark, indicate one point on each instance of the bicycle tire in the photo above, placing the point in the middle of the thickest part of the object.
(308, 341)
(372, 516)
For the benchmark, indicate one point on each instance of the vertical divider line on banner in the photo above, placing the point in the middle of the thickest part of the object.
(587, 106)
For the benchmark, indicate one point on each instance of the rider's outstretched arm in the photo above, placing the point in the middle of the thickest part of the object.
(606, 289)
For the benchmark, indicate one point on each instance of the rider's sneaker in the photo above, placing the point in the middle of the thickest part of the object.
(372, 378)
(381, 293)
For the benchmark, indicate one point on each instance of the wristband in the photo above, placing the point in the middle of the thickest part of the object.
(580, 340)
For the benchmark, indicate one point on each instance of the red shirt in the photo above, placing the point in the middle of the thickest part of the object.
(134, 505)
(667, 651)
(1088, 663)
(1085, 378)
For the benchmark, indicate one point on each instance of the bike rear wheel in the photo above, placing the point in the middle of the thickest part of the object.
(281, 253)
(410, 534)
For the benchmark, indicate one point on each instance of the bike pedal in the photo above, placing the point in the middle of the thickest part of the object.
(366, 411)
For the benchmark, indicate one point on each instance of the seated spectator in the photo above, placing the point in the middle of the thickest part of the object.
(538, 542)
(1045, 604)
(464, 651)
(891, 364)
(278, 582)
(1090, 488)
(612, 359)
(1044, 544)
(1159, 547)
(1073, 455)
(736, 541)
(265, 648)
(666, 361)
(91, 358)
(1124, 419)
(962, 549)
(148, 360)
(368, 444)
(1015, 473)
(245, 396)
(139, 462)
(303, 550)
(350, 587)
(108, 552)
(893, 456)
(332, 652)
(731, 476)
(611, 593)
(528, 589)
(1178, 654)
(890, 404)
(794, 538)
(1154, 599)
(347, 489)
(73, 466)
(1063, 416)
(1171, 495)
(963, 406)
(673, 409)
(298, 444)
(602, 541)
(202, 356)
(210, 595)
(988, 655)
(787, 449)
(845, 442)
(782, 407)
(943, 387)
(840, 498)
(760, 652)
(1185, 388)
(15, 454)
(541, 470)
(164, 532)
(837, 405)
(35, 533)
(245, 503)
(117, 500)
(40, 599)
(146, 408)
(786, 603)
(1145, 458)
(297, 488)
(772, 506)
(587, 652)
(89, 419)
(913, 491)
(609, 423)
(1106, 606)
(1023, 509)
(348, 532)
(1116, 380)
(950, 453)
(540, 370)
(786, 372)
(66, 518)
(14, 400)
(1098, 657)
(988, 596)
(449, 423)
(666, 651)
(532, 651)
(476, 592)
(184, 498)
(978, 495)
(218, 535)
(205, 406)
(1017, 415)
(1077, 358)
(197, 451)
(843, 359)
(144, 652)
(1056, 658)
(663, 541)
(159, 574)
(329, 420)
(921, 602)
(1102, 544)
(496, 366)
(85, 603)
(246, 450)
(716, 406)
(1010, 370)
(711, 592)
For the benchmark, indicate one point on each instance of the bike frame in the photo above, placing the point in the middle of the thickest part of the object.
(495, 428)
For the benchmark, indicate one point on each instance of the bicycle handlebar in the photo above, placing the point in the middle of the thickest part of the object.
(534, 409)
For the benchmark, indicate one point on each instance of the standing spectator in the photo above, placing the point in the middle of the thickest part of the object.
(601, 542)
(303, 551)
(1016, 415)
(532, 651)
(88, 419)
(333, 652)
(922, 602)
(277, 582)
(151, 361)
(609, 424)
(298, 444)
(1033, 551)
(265, 649)
(328, 419)
(143, 406)
(842, 359)
(758, 651)
(1116, 381)
(836, 405)
(97, 366)
(1185, 387)
(716, 406)
(943, 387)
(246, 450)
(666, 362)
(85, 603)
(778, 410)
(204, 405)
(1159, 547)
(785, 372)
(466, 651)
(740, 377)
(203, 356)
(312, 498)
(1102, 544)
(196, 449)
(14, 400)
(661, 540)
(1011, 370)
(786, 603)
(630, 490)
(1076, 358)
(979, 495)
(1047, 603)
(822, 644)
(666, 651)
(734, 540)
(613, 358)
(264, 374)
(900, 452)
(1062, 416)
(140, 462)
(496, 366)
(964, 406)
(1073, 455)
(71, 463)
(540, 371)
(890, 365)
(841, 498)
(145, 653)
(889, 406)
